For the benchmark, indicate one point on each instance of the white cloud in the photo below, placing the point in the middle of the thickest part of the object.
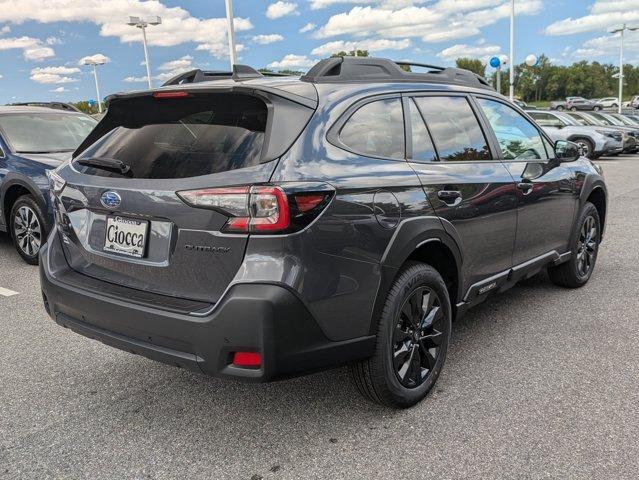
(32, 48)
(59, 90)
(606, 45)
(372, 45)
(178, 26)
(132, 79)
(462, 50)
(445, 20)
(281, 9)
(293, 61)
(174, 67)
(266, 39)
(98, 57)
(53, 41)
(54, 74)
(603, 14)
(308, 27)
(1, 76)
(5, 29)
(318, 4)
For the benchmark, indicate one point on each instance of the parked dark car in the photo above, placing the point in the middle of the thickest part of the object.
(33, 140)
(257, 228)
(576, 103)
(67, 107)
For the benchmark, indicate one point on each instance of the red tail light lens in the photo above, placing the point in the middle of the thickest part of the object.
(247, 359)
(259, 209)
(180, 94)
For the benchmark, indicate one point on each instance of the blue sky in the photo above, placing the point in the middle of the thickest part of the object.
(43, 41)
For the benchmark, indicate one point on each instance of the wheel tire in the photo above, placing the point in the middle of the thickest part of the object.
(27, 213)
(560, 108)
(596, 109)
(379, 377)
(614, 105)
(573, 109)
(587, 146)
(585, 247)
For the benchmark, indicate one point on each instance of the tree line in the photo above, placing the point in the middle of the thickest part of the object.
(546, 82)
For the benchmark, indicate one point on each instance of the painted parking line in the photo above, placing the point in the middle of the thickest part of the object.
(5, 292)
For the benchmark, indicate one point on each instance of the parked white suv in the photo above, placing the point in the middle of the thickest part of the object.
(594, 141)
(609, 102)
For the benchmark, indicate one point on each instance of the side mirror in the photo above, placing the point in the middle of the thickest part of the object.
(567, 151)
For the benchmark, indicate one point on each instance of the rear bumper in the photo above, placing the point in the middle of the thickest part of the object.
(264, 318)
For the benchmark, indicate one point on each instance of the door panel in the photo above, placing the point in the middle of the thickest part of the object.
(470, 192)
(546, 211)
(546, 196)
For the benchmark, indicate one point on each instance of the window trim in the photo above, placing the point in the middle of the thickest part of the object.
(523, 114)
(491, 142)
(333, 134)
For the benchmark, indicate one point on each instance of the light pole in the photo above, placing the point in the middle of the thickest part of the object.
(142, 24)
(621, 30)
(94, 63)
(512, 50)
(231, 33)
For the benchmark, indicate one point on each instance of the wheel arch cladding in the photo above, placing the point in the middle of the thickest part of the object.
(598, 198)
(11, 194)
(422, 239)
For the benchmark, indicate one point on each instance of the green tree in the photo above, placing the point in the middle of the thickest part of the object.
(473, 64)
(360, 53)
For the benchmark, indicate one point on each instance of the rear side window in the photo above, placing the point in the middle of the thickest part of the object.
(376, 129)
(423, 149)
(455, 129)
(547, 120)
(185, 137)
(517, 137)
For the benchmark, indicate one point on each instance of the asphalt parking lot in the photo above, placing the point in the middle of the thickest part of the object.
(540, 383)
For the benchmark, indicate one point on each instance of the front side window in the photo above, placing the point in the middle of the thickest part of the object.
(517, 137)
(54, 132)
(376, 129)
(455, 129)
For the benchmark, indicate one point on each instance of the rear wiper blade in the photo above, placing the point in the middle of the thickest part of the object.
(105, 163)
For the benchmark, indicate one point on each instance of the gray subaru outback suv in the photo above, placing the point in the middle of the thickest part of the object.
(258, 228)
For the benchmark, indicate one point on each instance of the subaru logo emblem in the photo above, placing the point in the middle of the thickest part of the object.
(111, 199)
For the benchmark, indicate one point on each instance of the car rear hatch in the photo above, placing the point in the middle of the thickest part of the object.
(119, 212)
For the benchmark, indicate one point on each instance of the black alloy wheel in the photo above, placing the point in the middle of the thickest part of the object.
(587, 246)
(417, 337)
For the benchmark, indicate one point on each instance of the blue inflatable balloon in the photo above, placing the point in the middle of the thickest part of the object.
(495, 62)
(90, 101)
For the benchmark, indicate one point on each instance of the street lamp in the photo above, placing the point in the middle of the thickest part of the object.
(512, 51)
(94, 62)
(231, 32)
(142, 24)
(621, 30)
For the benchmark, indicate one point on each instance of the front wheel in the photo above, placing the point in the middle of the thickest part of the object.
(412, 340)
(573, 109)
(577, 271)
(587, 147)
(596, 109)
(560, 108)
(28, 229)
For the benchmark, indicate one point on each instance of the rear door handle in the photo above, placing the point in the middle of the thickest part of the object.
(450, 197)
(525, 187)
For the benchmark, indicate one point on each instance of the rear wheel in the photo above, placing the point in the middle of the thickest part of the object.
(573, 109)
(560, 108)
(596, 109)
(412, 340)
(577, 271)
(27, 227)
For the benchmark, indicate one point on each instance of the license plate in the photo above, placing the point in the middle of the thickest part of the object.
(126, 236)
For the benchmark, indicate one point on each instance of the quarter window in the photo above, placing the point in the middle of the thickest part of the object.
(517, 137)
(455, 129)
(376, 129)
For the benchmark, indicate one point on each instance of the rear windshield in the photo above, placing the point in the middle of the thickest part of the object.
(181, 137)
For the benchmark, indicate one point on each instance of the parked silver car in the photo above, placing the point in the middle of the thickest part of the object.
(594, 141)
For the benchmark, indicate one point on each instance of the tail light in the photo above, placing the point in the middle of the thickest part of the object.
(262, 209)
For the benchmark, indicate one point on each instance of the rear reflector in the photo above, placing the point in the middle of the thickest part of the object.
(180, 94)
(307, 202)
(247, 359)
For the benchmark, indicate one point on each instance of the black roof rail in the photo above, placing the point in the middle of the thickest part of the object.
(370, 69)
(240, 72)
